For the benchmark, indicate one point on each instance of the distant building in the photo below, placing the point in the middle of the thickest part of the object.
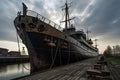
(6, 52)
(3, 51)
(14, 53)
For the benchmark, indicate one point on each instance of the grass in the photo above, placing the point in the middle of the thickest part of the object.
(114, 60)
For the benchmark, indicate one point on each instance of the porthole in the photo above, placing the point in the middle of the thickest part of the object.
(41, 28)
(22, 25)
(31, 25)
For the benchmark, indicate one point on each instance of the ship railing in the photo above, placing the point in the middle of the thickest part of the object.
(44, 19)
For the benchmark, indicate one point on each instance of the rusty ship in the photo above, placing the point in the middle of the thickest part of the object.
(48, 44)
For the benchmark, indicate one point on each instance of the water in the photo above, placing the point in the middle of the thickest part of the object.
(12, 71)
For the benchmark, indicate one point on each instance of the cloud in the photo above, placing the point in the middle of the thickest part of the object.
(101, 17)
(7, 30)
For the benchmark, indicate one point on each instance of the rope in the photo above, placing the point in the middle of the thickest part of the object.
(55, 55)
(69, 54)
(18, 42)
(60, 56)
(25, 67)
(19, 50)
(52, 50)
(62, 17)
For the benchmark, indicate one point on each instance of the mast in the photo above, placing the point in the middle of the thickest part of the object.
(67, 18)
(24, 9)
(67, 15)
(66, 10)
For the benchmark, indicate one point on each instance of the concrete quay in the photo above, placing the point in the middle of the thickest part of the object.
(74, 71)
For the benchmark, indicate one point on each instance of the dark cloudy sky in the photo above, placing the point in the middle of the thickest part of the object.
(101, 17)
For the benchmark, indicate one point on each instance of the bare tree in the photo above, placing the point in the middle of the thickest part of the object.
(117, 49)
(108, 51)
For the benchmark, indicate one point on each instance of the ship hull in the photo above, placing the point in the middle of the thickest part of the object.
(47, 56)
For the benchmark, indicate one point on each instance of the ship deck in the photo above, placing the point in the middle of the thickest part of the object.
(75, 71)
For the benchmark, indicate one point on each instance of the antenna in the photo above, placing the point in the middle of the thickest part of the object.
(96, 42)
(87, 32)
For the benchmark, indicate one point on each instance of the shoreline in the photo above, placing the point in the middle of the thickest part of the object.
(14, 59)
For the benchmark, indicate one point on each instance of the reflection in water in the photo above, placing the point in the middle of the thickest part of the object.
(8, 72)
